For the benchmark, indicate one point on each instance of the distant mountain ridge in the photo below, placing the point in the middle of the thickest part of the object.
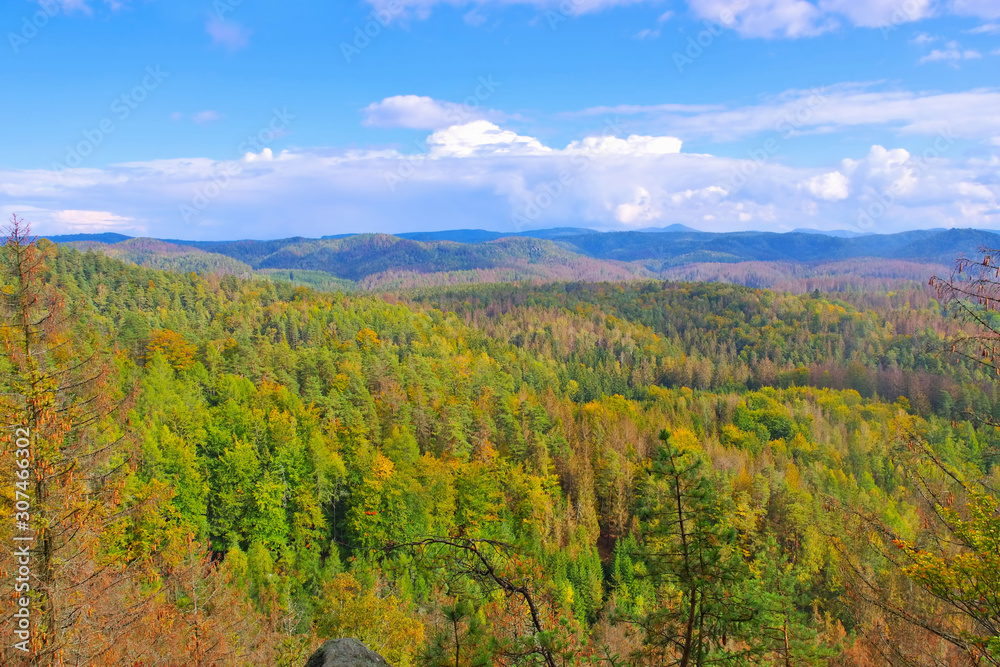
(471, 255)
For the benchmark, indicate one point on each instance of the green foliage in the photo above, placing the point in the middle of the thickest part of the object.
(302, 436)
(695, 568)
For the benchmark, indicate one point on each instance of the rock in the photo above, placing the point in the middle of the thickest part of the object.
(347, 652)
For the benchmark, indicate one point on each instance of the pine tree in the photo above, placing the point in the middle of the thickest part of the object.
(693, 565)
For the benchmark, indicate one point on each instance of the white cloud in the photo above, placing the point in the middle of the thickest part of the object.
(634, 145)
(923, 39)
(481, 138)
(647, 33)
(266, 155)
(986, 29)
(422, 113)
(496, 178)
(638, 210)
(833, 186)
(952, 53)
(970, 114)
(986, 9)
(229, 35)
(879, 13)
(78, 222)
(886, 170)
(765, 18)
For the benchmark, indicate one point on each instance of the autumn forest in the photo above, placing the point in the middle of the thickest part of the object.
(228, 470)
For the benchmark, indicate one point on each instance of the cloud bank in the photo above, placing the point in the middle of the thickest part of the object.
(479, 174)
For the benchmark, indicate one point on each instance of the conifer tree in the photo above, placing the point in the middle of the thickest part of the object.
(693, 565)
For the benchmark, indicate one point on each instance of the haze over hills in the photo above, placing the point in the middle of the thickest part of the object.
(763, 259)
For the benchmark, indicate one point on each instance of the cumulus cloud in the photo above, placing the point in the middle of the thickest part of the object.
(423, 113)
(500, 179)
(639, 210)
(482, 137)
(952, 53)
(265, 155)
(833, 186)
(227, 34)
(885, 169)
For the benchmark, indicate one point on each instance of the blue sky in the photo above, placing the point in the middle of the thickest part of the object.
(228, 118)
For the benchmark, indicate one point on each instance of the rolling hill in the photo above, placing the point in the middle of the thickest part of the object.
(380, 261)
(156, 254)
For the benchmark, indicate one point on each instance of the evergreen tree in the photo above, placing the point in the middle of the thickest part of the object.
(693, 564)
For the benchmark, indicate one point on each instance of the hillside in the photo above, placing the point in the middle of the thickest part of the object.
(660, 250)
(796, 260)
(271, 466)
(357, 257)
(157, 254)
(374, 260)
(798, 277)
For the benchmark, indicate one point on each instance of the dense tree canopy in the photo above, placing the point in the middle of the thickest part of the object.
(642, 474)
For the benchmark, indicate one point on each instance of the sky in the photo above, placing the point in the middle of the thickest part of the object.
(225, 119)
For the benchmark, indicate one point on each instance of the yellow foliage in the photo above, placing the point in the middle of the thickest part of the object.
(743, 482)
(382, 467)
(383, 624)
(172, 345)
(731, 435)
(367, 339)
(792, 477)
(685, 440)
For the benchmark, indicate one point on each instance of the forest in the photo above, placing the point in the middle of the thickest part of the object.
(800, 260)
(227, 470)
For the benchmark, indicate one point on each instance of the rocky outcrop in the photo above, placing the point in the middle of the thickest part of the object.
(345, 653)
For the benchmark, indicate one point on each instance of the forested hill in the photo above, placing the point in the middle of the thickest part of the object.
(796, 260)
(573, 474)
(377, 260)
(941, 246)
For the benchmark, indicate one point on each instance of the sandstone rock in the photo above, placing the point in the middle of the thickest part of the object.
(345, 653)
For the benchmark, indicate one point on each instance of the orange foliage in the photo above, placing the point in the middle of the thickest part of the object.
(172, 345)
